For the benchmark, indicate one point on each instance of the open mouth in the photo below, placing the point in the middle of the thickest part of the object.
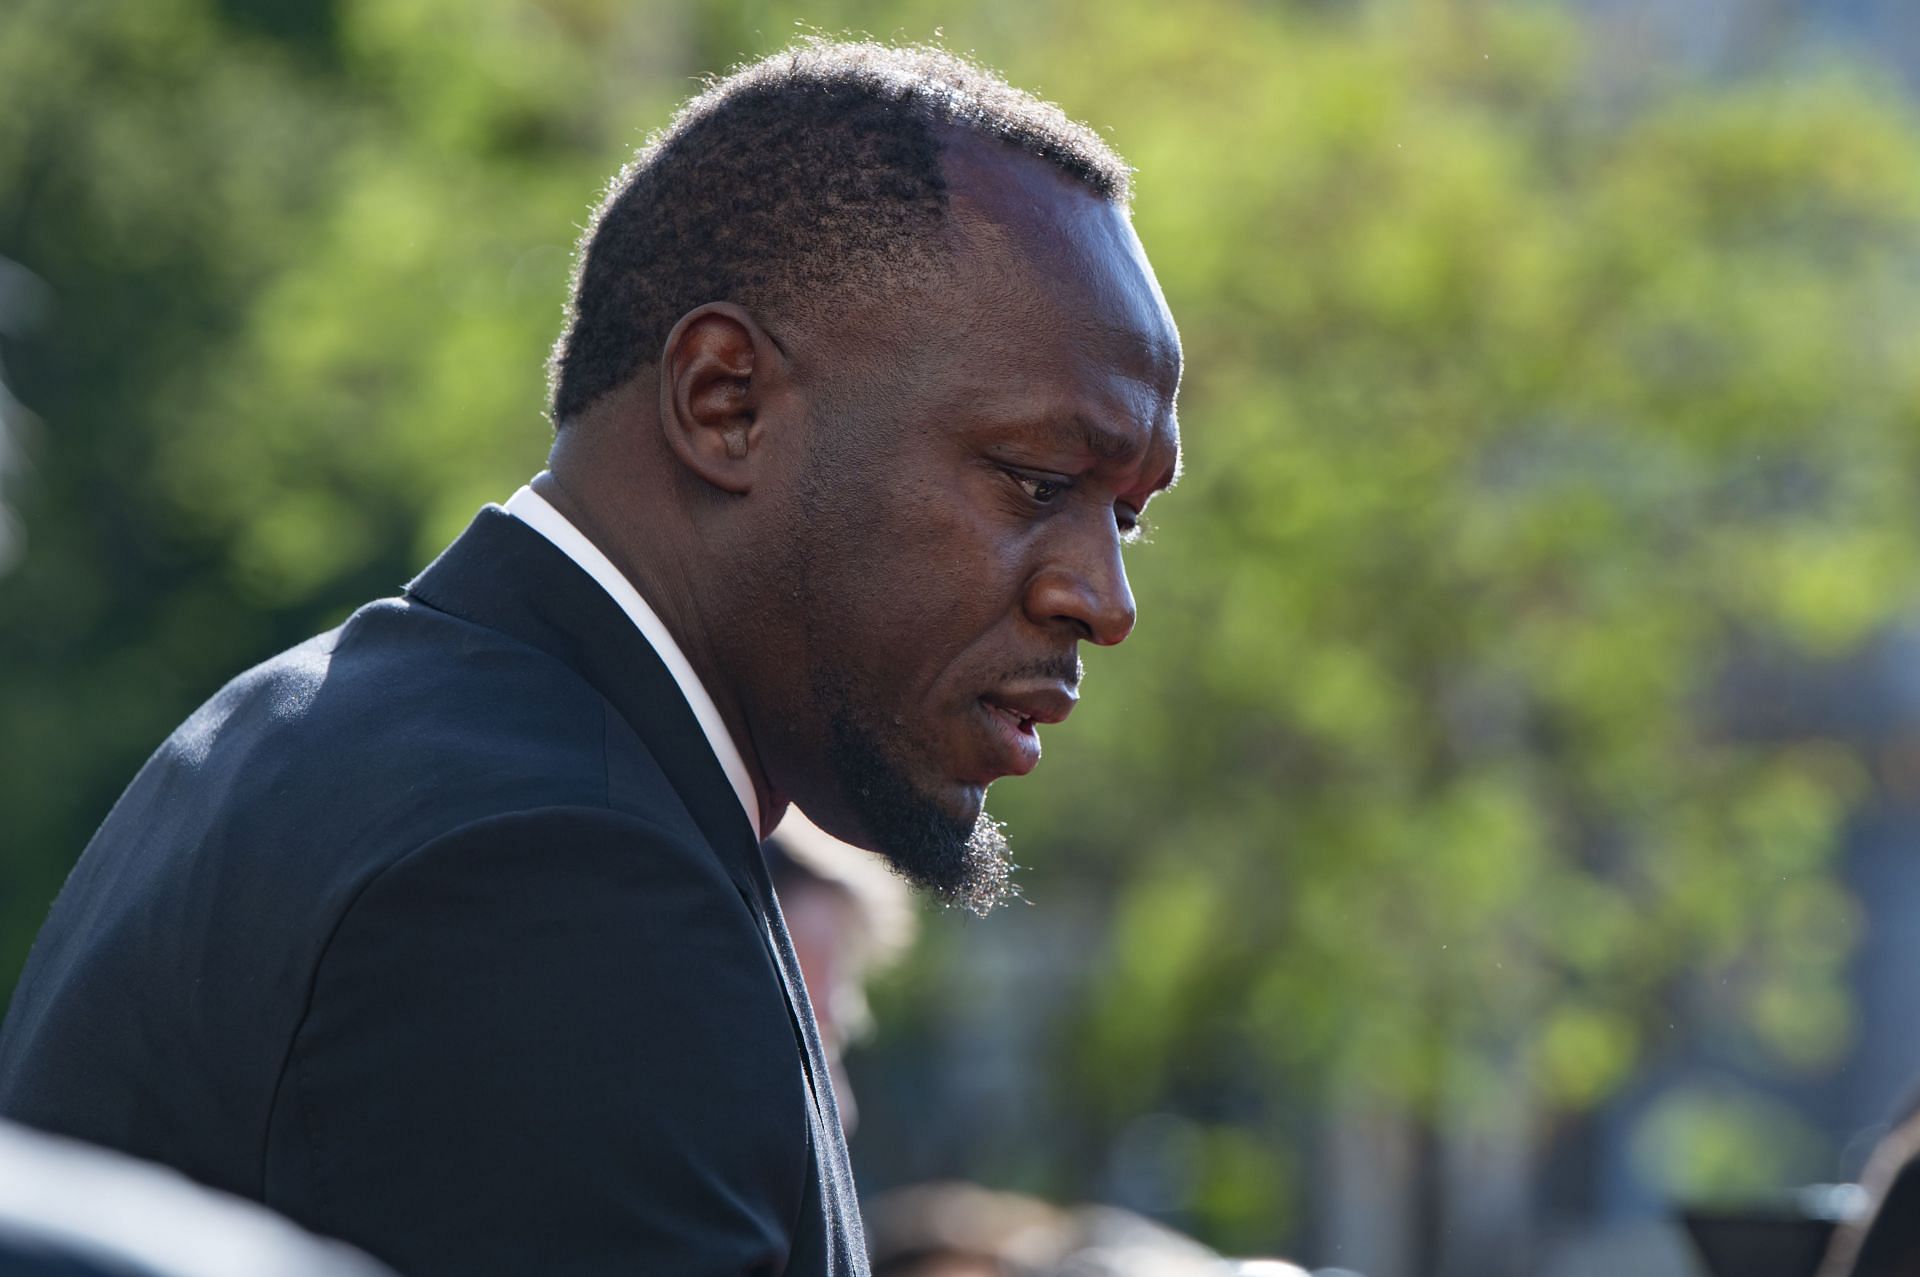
(1013, 714)
(1022, 723)
(1013, 743)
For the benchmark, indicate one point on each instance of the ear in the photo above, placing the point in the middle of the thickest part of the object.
(721, 379)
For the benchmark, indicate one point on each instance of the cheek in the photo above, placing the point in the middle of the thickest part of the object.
(931, 576)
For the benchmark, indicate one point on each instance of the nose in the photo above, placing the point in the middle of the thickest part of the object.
(1086, 590)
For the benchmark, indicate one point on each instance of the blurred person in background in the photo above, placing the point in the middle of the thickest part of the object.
(849, 918)
(448, 932)
(963, 1230)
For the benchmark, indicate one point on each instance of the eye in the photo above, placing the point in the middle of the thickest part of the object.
(1043, 490)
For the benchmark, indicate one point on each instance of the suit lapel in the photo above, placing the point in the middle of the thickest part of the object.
(502, 574)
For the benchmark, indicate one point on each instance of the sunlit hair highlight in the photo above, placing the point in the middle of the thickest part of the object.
(787, 185)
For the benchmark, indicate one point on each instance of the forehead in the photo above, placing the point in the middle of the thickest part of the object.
(1052, 296)
(1029, 235)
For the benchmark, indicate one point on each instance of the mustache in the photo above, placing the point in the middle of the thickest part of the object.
(1065, 668)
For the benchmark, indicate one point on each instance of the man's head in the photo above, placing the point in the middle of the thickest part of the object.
(867, 382)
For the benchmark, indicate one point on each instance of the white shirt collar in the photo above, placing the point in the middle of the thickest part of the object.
(533, 510)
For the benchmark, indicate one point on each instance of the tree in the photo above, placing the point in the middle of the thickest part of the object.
(1524, 394)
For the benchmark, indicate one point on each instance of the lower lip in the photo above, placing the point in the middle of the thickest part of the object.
(1017, 750)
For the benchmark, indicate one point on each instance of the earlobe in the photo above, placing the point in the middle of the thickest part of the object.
(717, 371)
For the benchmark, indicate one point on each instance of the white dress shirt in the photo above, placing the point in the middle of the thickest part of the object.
(534, 510)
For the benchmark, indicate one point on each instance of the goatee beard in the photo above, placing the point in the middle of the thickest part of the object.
(964, 863)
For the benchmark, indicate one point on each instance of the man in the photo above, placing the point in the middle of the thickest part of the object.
(447, 933)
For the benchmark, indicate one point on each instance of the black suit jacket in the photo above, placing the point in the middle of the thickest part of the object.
(443, 933)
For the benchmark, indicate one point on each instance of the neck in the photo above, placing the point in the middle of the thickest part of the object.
(654, 559)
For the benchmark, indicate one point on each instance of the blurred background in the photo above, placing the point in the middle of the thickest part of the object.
(1505, 821)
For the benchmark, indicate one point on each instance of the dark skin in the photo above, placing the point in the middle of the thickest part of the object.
(918, 503)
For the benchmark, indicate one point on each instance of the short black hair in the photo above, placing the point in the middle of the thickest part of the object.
(785, 182)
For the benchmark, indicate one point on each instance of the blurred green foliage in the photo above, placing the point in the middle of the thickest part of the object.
(1725, 1143)
(1522, 397)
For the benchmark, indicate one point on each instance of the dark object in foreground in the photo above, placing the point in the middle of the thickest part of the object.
(1787, 1238)
(69, 1210)
(1888, 1243)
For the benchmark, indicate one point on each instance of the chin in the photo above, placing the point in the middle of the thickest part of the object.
(961, 800)
(937, 836)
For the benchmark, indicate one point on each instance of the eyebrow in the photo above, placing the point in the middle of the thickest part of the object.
(1105, 444)
(1153, 351)
(1114, 447)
